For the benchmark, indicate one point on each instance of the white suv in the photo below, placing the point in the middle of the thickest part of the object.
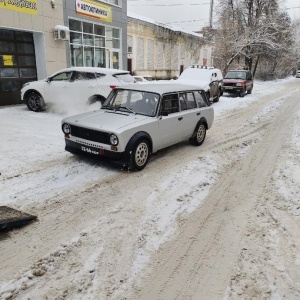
(208, 78)
(86, 84)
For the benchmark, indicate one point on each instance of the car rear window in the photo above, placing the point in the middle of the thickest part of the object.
(235, 75)
(125, 77)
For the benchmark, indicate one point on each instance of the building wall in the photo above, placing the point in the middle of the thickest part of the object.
(34, 28)
(162, 52)
(50, 54)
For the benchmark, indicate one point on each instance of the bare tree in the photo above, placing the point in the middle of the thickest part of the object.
(252, 32)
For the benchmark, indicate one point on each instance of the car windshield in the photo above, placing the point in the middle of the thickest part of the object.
(235, 75)
(137, 102)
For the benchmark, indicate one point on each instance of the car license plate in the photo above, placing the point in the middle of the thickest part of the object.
(228, 87)
(89, 150)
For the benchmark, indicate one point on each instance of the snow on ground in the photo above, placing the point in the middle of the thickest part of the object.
(29, 138)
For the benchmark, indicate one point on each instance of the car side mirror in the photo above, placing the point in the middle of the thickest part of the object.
(49, 79)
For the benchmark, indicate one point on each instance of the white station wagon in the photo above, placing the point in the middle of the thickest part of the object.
(138, 120)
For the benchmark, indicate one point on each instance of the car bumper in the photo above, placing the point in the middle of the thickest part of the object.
(78, 148)
(232, 89)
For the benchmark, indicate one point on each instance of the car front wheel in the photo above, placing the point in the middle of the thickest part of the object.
(199, 135)
(34, 101)
(140, 154)
(242, 94)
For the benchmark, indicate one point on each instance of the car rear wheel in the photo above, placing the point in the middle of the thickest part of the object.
(95, 99)
(34, 101)
(217, 98)
(140, 154)
(199, 135)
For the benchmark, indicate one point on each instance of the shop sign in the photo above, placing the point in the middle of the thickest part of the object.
(8, 60)
(24, 6)
(94, 10)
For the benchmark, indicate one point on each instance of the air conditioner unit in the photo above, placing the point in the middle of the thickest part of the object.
(61, 33)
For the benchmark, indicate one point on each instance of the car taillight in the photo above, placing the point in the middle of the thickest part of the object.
(113, 86)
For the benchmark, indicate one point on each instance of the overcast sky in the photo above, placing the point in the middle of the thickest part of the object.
(188, 14)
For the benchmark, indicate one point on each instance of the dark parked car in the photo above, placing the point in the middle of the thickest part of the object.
(208, 78)
(238, 82)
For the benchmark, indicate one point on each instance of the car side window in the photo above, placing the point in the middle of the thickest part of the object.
(78, 76)
(62, 76)
(170, 104)
(200, 99)
(187, 101)
(100, 75)
(90, 76)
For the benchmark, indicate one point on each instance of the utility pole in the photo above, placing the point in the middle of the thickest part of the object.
(211, 13)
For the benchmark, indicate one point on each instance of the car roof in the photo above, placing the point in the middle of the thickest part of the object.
(94, 70)
(160, 88)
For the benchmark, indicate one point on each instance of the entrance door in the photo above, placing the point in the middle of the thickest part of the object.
(113, 59)
(17, 64)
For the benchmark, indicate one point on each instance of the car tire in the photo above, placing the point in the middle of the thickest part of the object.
(34, 102)
(242, 94)
(140, 154)
(208, 98)
(199, 135)
(250, 91)
(96, 98)
(218, 96)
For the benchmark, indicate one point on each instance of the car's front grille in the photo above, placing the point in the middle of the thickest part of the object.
(89, 134)
(230, 84)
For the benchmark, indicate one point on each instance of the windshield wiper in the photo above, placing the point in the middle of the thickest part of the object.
(128, 109)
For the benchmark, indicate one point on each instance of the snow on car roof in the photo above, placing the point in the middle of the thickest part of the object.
(160, 88)
(94, 70)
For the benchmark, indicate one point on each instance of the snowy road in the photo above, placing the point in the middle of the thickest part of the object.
(220, 221)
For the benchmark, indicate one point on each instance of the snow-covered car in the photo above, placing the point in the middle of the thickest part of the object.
(138, 120)
(208, 78)
(86, 84)
(144, 78)
(238, 82)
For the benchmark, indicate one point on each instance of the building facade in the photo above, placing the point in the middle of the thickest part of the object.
(40, 37)
(161, 51)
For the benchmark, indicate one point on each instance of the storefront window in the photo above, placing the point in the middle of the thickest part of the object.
(28, 61)
(99, 30)
(100, 60)
(9, 73)
(75, 25)
(99, 41)
(27, 73)
(76, 56)
(7, 47)
(88, 57)
(91, 43)
(25, 48)
(75, 38)
(88, 39)
(87, 27)
(115, 59)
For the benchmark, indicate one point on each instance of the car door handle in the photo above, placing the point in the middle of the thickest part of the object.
(180, 118)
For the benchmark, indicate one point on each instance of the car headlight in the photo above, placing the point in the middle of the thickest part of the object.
(66, 128)
(240, 84)
(114, 140)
